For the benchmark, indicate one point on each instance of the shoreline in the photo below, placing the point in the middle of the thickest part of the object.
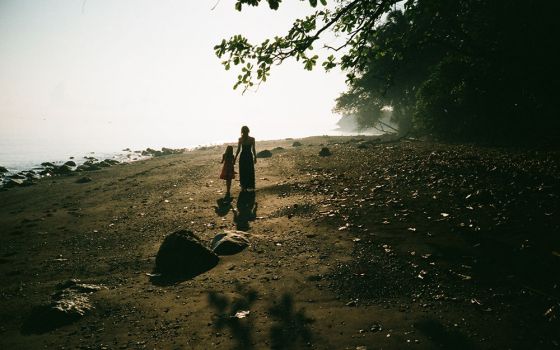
(126, 155)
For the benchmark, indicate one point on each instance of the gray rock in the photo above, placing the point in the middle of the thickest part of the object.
(70, 163)
(229, 243)
(325, 152)
(264, 154)
(182, 255)
(48, 165)
(3, 170)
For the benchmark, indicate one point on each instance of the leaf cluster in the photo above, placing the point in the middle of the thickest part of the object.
(465, 69)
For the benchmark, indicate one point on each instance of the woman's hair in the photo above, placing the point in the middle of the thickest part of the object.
(229, 152)
(245, 130)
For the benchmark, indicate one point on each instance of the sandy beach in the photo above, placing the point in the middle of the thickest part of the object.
(380, 245)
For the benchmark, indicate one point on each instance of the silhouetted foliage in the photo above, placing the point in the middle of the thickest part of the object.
(460, 70)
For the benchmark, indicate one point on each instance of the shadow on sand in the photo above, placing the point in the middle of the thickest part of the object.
(289, 330)
(223, 206)
(43, 319)
(444, 338)
(246, 210)
(230, 315)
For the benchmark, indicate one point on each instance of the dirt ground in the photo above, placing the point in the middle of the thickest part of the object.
(378, 246)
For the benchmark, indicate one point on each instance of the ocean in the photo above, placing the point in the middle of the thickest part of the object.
(21, 152)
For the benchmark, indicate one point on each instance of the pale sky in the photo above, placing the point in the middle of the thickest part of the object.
(144, 72)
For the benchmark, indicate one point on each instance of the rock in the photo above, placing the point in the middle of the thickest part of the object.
(46, 172)
(167, 151)
(83, 180)
(48, 165)
(296, 144)
(264, 154)
(32, 175)
(69, 303)
(229, 243)
(278, 149)
(127, 150)
(111, 161)
(3, 170)
(63, 169)
(88, 166)
(325, 152)
(151, 152)
(14, 183)
(70, 163)
(18, 176)
(102, 164)
(182, 255)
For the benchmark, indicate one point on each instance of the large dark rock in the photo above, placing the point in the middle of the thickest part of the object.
(325, 152)
(3, 170)
(70, 163)
(48, 165)
(296, 144)
(229, 243)
(264, 154)
(182, 255)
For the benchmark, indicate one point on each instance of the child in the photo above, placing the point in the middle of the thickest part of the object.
(228, 172)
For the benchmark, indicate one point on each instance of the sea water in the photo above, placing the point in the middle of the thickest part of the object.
(24, 152)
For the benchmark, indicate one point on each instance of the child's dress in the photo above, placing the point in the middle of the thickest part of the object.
(228, 171)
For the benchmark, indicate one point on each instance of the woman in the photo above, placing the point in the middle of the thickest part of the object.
(247, 160)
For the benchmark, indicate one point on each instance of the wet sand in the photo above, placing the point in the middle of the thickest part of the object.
(382, 245)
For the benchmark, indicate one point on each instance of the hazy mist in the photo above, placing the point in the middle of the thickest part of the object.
(108, 74)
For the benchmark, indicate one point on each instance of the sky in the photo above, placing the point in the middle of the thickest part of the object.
(139, 73)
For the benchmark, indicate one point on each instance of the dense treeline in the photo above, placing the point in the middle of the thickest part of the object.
(481, 70)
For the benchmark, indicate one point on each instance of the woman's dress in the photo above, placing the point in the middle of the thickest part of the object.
(246, 167)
